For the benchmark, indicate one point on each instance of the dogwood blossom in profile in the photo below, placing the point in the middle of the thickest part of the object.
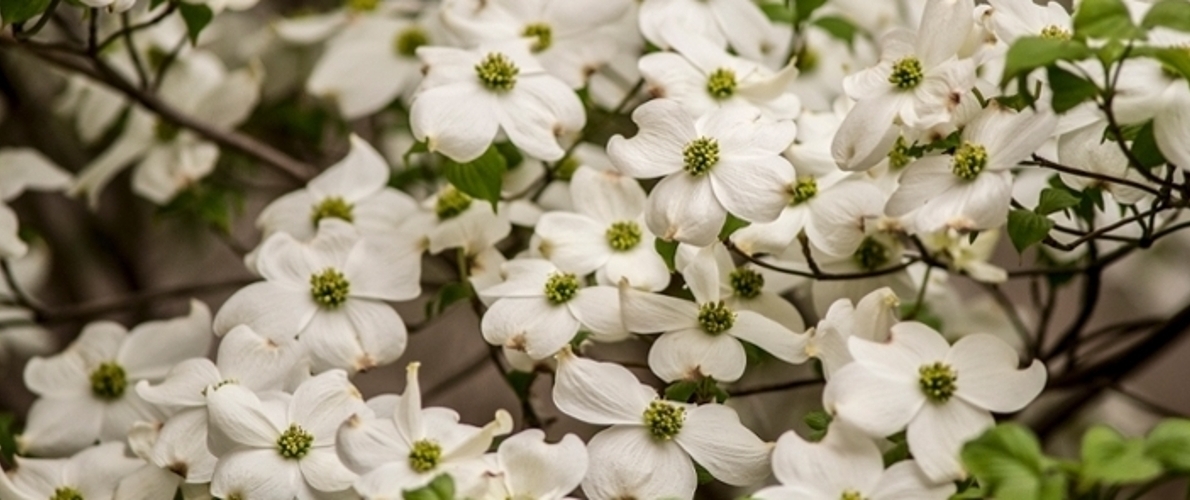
(739, 24)
(1085, 149)
(845, 464)
(942, 394)
(408, 448)
(663, 438)
(606, 233)
(727, 161)
(329, 293)
(278, 446)
(23, 170)
(92, 473)
(528, 467)
(871, 318)
(468, 97)
(95, 376)
(971, 189)
(1148, 90)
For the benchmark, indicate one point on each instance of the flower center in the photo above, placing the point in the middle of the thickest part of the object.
(451, 202)
(906, 73)
(969, 160)
(295, 442)
(65, 493)
(715, 317)
(900, 156)
(424, 456)
(543, 33)
(1055, 32)
(746, 283)
(329, 288)
(624, 235)
(721, 83)
(700, 155)
(807, 60)
(851, 495)
(333, 206)
(871, 254)
(803, 190)
(109, 381)
(497, 72)
(938, 381)
(166, 131)
(409, 39)
(561, 287)
(664, 420)
(363, 5)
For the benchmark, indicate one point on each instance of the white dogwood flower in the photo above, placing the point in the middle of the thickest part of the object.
(527, 467)
(871, 318)
(91, 474)
(739, 24)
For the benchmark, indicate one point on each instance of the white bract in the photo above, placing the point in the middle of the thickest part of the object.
(92, 473)
(23, 170)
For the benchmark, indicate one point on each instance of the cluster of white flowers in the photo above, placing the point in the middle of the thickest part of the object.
(765, 155)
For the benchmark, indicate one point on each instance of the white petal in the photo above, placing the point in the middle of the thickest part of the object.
(692, 353)
(945, 24)
(256, 475)
(600, 393)
(533, 325)
(658, 469)
(753, 189)
(182, 446)
(323, 471)
(324, 402)
(147, 483)
(53, 427)
(63, 376)
(524, 278)
(153, 347)
(11, 245)
(366, 443)
(988, 375)
(184, 385)
(905, 479)
(526, 117)
(290, 214)
(274, 311)
(27, 169)
(241, 417)
(714, 437)
(843, 460)
(576, 243)
(453, 121)
(937, 435)
(642, 268)
(910, 345)
(408, 417)
(257, 362)
(361, 335)
(646, 312)
(655, 150)
(598, 309)
(361, 173)
(606, 196)
(867, 134)
(877, 405)
(536, 469)
(384, 270)
(1171, 122)
(769, 335)
(685, 208)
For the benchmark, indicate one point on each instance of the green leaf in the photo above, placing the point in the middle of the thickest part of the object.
(8, 433)
(154, 3)
(1144, 147)
(681, 390)
(521, 382)
(448, 295)
(897, 453)
(19, 11)
(512, 156)
(1169, 442)
(1007, 462)
(1175, 58)
(441, 488)
(1029, 53)
(1104, 19)
(805, 8)
(481, 178)
(818, 422)
(1174, 14)
(838, 27)
(1070, 90)
(731, 225)
(1055, 200)
(1026, 228)
(666, 249)
(778, 13)
(1110, 459)
(197, 18)
(418, 147)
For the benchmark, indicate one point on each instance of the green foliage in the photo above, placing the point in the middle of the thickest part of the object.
(441, 488)
(1007, 462)
(19, 11)
(1069, 90)
(1030, 53)
(803, 9)
(1107, 19)
(667, 249)
(1026, 228)
(899, 450)
(8, 434)
(1108, 458)
(447, 296)
(838, 27)
(481, 178)
(1169, 443)
(731, 225)
(1144, 147)
(207, 203)
(1173, 14)
(704, 390)
(819, 422)
(197, 18)
(1055, 200)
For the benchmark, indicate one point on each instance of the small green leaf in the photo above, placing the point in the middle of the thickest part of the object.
(681, 390)
(667, 249)
(481, 178)
(1174, 14)
(512, 156)
(1055, 200)
(1144, 147)
(778, 13)
(1069, 89)
(19, 11)
(1175, 58)
(1007, 462)
(1104, 19)
(8, 433)
(197, 18)
(1029, 53)
(521, 382)
(897, 453)
(731, 225)
(838, 27)
(1169, 442)
(154, 3)
(1110, 459)
(418, 147)
(818, 422)
(441, 488)
(1026, 228)
(448, 295)
(805, 8)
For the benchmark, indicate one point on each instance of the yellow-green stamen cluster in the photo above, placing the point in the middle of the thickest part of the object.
(938, 381)
(409, 39)
(295, 442)
(109, 381)
(623, 235)
(700, 155)
(907, 73)
(330, 288)
(804, 189)
(497, 72)
(969, 160)
(747, 283)
(807, 60)
(1055, 32)
(900, 156)
(851, 495)
(561, 287)
(451, 202)
(715, 317)
(543, 33)
(721, 83)
(425, 456)
(65, 493)
(334, 207)
(363, 5)
(871, 254)
(664, 420)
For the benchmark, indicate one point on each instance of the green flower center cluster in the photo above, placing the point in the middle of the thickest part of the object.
(451, 202)
(700, 155)
(329, 288)
(969, 160)
(295, 442)
(747, 283)
(715, 317)
(851, 495)
(664, 420)
(363, 5)
(561, 287)
(425, 456)
(65, 493)
(804, 189)
(543, 33)
(1055, 32)
(938, 381)
(721, 83)
(332, 206)
(871, 254)
(109, 381)
(907, 73)
(497, 72)
(900, 156)
(409, 39)
(623, 235)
